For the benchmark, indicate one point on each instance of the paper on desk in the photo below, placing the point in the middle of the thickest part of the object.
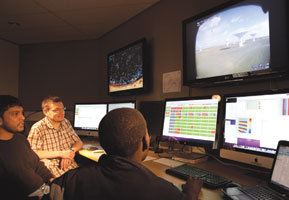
(168, 162)
(148, 158)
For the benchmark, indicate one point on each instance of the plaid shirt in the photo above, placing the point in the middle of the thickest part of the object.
(44, 137)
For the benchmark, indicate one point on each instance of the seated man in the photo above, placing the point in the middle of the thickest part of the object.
(53, 138)
(119, 174)
(22, 174)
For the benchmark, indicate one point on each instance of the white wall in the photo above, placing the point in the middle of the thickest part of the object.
(9, 68)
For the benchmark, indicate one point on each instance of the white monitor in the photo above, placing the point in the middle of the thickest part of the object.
(191, 121)
(87, 117)
(254, 124)
(115, 105)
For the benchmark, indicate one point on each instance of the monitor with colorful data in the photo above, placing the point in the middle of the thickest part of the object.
(254, 124)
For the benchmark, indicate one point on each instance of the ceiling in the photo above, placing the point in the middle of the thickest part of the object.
(39, 21)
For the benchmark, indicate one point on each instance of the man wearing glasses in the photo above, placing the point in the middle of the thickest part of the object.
(53, 138)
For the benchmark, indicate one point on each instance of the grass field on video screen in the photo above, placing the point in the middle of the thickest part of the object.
(223, 60)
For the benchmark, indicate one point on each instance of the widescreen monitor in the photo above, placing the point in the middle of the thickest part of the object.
(254, 124)
(127, 69)
(238, 41)
(191, 121)
(87, 116)
(115, 105)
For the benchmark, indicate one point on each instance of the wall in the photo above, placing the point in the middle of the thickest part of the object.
(9, 74)
(67, 69)
(77, 70)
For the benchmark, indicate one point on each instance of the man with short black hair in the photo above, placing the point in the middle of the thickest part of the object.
(119, 173)
(22, 174)
(53, 138)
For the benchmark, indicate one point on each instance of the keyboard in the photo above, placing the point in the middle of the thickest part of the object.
(211, 180)
(260, 192)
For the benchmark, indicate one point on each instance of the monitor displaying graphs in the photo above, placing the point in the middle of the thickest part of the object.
(193, 119)
(256, 121)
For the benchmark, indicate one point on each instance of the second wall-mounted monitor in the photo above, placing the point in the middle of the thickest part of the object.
(87, 117)
(254, 124)
(115, 105)
(191, 121)
(236, 42)
(127, 69)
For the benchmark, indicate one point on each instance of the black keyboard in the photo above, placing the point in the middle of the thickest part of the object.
(211, 180)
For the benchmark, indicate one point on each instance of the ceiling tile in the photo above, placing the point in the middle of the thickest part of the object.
(19, 7)
(36, 21)
(65, 5)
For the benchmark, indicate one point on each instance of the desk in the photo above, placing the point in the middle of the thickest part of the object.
(238, 175)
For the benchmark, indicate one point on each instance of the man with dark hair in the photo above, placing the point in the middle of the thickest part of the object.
(119, 173)
(22, 174)
(53, 138)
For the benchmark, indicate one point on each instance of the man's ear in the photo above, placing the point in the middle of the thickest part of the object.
(45, 111)
(144, 144)
(1, 121)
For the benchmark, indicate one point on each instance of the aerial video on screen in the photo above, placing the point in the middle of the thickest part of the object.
(126, 69)
(233, 41)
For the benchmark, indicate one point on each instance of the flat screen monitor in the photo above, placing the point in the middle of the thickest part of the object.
(87, 117)
(127, 69)
(191, 121)
(239, 41)
(254, 124)
(114, 105)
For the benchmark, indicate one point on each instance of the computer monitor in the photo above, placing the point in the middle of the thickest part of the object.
(115, 105)
(127, 69)
(236, 42)
(87, 117)
(254, 124)
(191, 121)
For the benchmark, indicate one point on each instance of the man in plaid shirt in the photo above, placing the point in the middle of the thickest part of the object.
(53, 138)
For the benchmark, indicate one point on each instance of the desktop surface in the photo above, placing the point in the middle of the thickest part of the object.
(236, 174)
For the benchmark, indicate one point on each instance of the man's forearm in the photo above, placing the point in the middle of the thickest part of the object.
(49, 154)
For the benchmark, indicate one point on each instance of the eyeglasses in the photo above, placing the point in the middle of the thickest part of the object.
(56, 110)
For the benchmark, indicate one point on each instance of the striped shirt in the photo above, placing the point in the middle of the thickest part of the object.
(44, 137)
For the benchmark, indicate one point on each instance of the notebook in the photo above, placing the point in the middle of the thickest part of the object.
(278, 184)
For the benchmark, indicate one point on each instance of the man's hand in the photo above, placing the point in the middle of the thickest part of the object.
(65, 163)
(192, 188)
